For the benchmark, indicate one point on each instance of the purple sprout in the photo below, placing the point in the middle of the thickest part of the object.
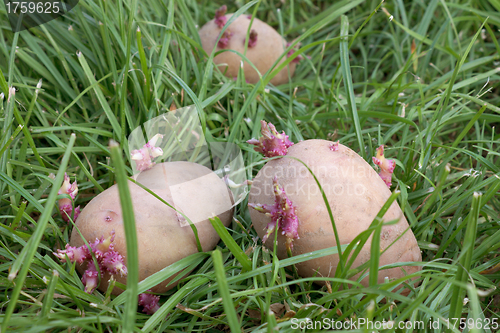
(283, 215)
(102, 245)
(113, 262)
(220, 16)
(232, 184)
(252, 38)
(297, 59)
(271, 143)
(75, 254)
(224, 39)
(334, 146)
(107, 258)
(144, 157)
(149, 303)
(66, 204)
(386, 166)
(90, 278)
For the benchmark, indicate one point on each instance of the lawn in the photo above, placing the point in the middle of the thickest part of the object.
(419, 77)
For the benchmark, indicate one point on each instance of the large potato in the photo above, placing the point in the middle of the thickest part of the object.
(355, 194)
(269, 47)
(163, 236)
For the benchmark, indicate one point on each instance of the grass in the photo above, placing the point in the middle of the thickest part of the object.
(420, 77)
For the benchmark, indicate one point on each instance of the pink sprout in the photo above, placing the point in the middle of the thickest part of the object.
(252, 38)
(220, 16)
(90, 278)
(113, 262)
(224, 40)
(107, 258)
(271, 143)
(386, 166)
(143, 157)
(283, 215)
(334, 146)
(297, 59)
(102, 245)
(66, 204)
(180, 218)
(67, 209)
(149, 303)
(232, 184)
(75, 254)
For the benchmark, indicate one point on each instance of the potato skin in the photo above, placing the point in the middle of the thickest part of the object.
(355, 193)
(270, 45)
(161, 238)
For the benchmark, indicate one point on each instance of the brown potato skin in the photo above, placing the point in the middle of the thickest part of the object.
(161, 239)
(355, 193)
(270, 45)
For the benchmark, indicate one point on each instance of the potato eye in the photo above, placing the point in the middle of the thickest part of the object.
(109, 215)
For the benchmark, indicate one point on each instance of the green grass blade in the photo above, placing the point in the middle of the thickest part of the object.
(375, 246)
(144, 67)
(100, 96)
(12, 137)
(237, 252)
(3, 84)
(130, 238)
(346, 74)
(220, 275)
(445, 171)
(164, 274)
(32, 245)
(172, 301)
(49, 295)
(465, 260)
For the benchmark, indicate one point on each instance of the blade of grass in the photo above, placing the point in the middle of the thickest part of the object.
(12, 58)
(130, 238)
(144, 67)
(223, 287)
(19, 214)
(12, 137)
(436, 192)
(467, 128)
(237, 252)
(32, 245)
(164, 274)
(443, 103)
(125, 74)
(346, 74)
(49, 296)
(419, 37)
(375, 246)
(465, 260)
(7, 122)
(100, 96)
(172, 301)
(3, 84)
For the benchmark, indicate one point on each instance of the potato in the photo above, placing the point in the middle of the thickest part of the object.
(269, 46)
(163, 236)
(355, 194)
